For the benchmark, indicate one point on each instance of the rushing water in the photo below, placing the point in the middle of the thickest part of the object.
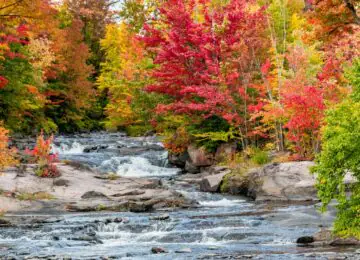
(223, 226)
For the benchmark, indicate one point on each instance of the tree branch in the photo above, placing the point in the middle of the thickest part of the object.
(352, 9)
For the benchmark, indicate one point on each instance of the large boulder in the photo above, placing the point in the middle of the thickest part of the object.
(199, 156)
(178, 160)
(212, 183)
(291, 181)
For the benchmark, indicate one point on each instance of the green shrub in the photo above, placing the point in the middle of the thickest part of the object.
(260, 157)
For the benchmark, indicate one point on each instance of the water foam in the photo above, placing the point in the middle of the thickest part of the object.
(221, 203)
(74, 148)
(136, 167)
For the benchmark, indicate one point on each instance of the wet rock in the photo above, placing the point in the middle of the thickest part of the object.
(61, 182)
(160, 217)
(212, 183)
(93, 194)
(178, 160)
(191, 168)
(183, 250)
(5, 223)
(235, 184)
(130, 151)
(87, 238)
(117, 220)
(138, 207)
(199, 156)
(158, 250)
(305, 240)
(345, 242)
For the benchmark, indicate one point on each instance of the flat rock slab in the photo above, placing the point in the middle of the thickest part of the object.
(78, 190)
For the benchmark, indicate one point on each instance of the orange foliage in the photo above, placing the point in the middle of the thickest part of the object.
(6, 154)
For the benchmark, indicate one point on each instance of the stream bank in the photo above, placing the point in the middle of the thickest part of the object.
(212, 226)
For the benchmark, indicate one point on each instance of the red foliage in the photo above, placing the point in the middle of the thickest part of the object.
(43, 156)
(206, 66)
(3, 82)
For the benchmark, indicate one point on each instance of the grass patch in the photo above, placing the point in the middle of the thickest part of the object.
(35, 196)
(260, 157)
(113, 176)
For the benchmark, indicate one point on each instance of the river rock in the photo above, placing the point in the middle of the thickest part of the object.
(61, 182)
(191, 168)
(212, 183)
(4, 223)
(305, 240)
(161, 217)
(351, 241)
(290, 181)
(158, 250)
(199, 156)
(129, 192)
(138, 207)
(93, 194)
(178, 160)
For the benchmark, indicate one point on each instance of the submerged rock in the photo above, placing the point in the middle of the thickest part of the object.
(161, 217)
(183, 250)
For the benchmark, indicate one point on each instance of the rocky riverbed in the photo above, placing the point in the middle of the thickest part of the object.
(146, 208)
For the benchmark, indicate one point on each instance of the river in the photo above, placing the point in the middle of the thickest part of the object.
(223, 227)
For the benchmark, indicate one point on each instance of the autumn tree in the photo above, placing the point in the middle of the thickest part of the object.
(205, 57)
(339, 158)
(124, 74)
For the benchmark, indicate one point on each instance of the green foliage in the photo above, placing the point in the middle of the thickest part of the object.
(260, 157)
(340, 155)
(211, 132)
(35, 196)
(137, 130)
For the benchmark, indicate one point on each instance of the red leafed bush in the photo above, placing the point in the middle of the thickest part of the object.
(43, 156)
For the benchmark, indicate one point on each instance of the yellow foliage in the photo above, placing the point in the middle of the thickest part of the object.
(6, 154)
(122, 73)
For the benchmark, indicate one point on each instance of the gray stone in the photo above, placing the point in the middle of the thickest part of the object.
(212, 183)
(61, 182)
(178, 160)
(160, 217)
(345, 242)
(158, 250)
(191, 168)
(291, 181)
(199, 156)
(93, 194)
